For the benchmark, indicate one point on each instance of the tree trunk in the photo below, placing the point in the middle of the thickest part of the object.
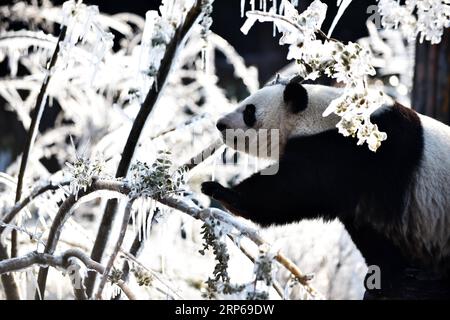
(431, 88)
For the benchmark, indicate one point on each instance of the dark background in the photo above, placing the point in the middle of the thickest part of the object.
(259, 48)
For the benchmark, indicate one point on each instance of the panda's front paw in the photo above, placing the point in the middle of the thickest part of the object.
(212, 189)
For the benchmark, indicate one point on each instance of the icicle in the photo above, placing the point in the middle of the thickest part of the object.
(274, 11)
(138, 220)
(13, 61)
(133, 220)
(253, 3)
(343, 5)
(149, 220)
(206, 23)
(242, 8)
(203, 57)
(264, 5)
(213, 173)
(143, 220)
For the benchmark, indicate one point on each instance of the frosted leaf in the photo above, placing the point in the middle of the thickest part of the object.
(156, 179)
(82, 172)
(352, 64)
(355, 107)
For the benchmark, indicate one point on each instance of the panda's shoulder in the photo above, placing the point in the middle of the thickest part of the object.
(405, 141)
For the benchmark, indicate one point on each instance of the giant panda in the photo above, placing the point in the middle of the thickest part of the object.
(394, 203)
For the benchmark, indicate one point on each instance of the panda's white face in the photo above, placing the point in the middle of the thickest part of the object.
(292, 109)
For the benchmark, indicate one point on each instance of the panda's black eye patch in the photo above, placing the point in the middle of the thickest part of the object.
(249, 115)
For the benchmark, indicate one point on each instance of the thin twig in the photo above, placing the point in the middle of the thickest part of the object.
(202, 156)
(151, 99)
(34, 128)
(250, 256)
(258, 14)
(175, 203)
(61, 217)
(19, 206)
(112, 258)
(245, 230)
(32, 132)
(136, 248)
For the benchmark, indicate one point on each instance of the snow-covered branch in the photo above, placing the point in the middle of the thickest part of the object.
(174, 202)
(61, 261)
(170, 40)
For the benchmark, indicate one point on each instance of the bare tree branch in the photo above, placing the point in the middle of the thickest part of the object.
(202, 156)
(250, 256)
(138, 242)
(34, 127)
(112, 258)
(9, 283)
(62, 261)
(61, 217)
(151, 99)
(19, 206)
(175, 203)
(32, 132)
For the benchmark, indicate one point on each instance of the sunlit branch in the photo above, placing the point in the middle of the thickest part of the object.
(152, 97)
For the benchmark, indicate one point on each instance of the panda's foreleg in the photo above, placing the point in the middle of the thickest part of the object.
(227, 197)
(259, 198)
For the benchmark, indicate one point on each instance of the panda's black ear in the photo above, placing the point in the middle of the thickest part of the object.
(295, 96)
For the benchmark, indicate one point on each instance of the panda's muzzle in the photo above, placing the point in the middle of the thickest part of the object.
(221, 126)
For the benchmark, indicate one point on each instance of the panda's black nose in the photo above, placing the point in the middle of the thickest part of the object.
(221, 126)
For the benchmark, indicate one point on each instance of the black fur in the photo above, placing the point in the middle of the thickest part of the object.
(295, 96)
(249, 115)
(327, 175)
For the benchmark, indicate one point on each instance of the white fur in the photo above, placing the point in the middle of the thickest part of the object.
(428, 219)
(273, 113)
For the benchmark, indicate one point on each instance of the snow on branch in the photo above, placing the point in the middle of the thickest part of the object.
(219, 223)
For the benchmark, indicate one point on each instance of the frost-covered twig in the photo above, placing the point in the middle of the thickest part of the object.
(250, 256)
(203, 155)
(19, 206)
(112, 258)
(61, 261)
(152, 97)
(175, 203)
(34, 126)
(64, 213)
(245, 230)
(138, 242)
(32, 132)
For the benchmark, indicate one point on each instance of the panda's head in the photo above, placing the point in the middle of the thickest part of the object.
(292, 108)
